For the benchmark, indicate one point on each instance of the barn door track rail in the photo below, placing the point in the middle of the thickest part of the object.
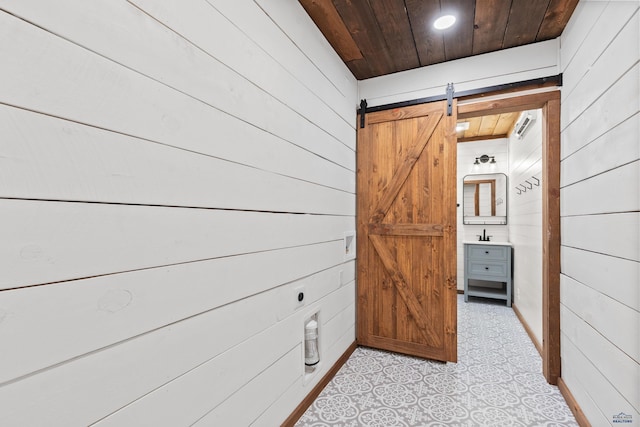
(450, 94)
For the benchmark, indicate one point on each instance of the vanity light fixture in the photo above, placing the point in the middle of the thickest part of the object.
(484, 159)
(444, 22)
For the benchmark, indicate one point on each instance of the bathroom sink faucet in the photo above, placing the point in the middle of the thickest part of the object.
(483, 237)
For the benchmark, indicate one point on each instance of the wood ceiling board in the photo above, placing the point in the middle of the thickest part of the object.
(481, 138)
(490, 23)
(488, 124)
(556, 18)
(525, 20)
(396, 29)
(505, 123)
(429, 42)
(360, 67)
(375, 37)
(326, 17)
(458, 40)
(474, 127)
(361, 22)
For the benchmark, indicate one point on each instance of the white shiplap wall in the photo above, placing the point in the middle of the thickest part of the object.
(496, 68)
(600, 208)
(525, 223)
(171, 173)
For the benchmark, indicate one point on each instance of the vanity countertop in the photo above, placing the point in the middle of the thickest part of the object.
(477, 242)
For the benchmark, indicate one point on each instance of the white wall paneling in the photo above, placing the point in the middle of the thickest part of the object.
(614, 191)
(105, 94)
(610, 234)
(204, 23)
(50, 241)
(607, 274)
(172, 174)
(158, 406)
(601, 73)
(615, 106)
(600, 209)
(45, 158)
(525, 223)
(333, 74)
(281, 373)
(598, 399)
(573, 37)
(100, 311)
(614, 40)
(196, 357)
(490, 69)
(618, 368)
(604, 314)
(605, 153)
(292, 396)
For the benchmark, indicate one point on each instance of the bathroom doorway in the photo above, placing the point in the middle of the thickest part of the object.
(461, 107)
(549, 184)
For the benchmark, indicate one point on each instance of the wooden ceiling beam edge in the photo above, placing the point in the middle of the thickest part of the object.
(482, 138)
(332, 26)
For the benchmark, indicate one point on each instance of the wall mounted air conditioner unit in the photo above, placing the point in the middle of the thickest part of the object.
(523, 123)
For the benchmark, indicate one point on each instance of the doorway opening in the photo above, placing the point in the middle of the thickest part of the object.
(393, 180)
(549, 183)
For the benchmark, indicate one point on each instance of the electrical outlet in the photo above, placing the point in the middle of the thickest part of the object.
(300, 296)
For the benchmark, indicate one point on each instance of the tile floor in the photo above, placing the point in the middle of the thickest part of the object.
(496, 382)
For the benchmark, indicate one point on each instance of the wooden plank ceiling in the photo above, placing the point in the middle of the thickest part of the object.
(378, 37)
(488, 127)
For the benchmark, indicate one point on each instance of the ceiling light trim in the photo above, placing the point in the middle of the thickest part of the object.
(444, 22)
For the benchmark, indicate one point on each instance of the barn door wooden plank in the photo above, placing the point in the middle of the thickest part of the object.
(405, 291)
(406, 229)
(406, 218)
(403, 172)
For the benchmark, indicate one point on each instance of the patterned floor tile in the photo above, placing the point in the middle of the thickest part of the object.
(496, 382)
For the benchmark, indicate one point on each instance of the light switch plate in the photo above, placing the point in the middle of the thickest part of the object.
(349, 245)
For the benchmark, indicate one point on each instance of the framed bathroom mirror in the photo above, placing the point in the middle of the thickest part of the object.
(485, 199)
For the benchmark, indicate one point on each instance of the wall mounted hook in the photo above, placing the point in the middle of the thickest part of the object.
(530, 184)
(537, 183)
(518, 190)
(524, 189)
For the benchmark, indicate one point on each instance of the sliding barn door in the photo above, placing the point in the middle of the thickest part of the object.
(406, 186)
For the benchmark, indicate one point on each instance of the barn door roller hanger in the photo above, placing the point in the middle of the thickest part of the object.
(449, 95)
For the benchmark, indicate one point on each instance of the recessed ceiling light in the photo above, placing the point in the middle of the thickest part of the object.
(444, 22)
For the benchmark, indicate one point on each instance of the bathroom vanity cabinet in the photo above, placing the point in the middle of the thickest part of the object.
(488, 262)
